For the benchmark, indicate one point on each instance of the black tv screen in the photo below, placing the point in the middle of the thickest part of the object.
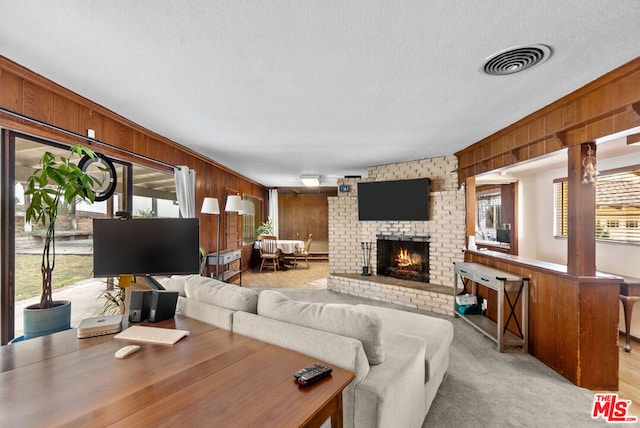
(394, 200)
(146, 246)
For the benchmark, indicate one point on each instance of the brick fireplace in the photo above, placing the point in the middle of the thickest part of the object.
(445, 230)
(403, 257)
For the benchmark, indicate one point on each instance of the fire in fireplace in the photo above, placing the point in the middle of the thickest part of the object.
(403, 257)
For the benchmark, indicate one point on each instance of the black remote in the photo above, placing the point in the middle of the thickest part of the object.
(314, 375)
(305, 370)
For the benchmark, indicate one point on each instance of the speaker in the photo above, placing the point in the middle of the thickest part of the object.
(139, 305)
(163, 305)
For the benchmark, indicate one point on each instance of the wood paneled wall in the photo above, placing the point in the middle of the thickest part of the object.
(31, 95)
(607, 105)
(300, 214)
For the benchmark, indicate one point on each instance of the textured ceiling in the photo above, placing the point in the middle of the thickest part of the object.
(277, 89)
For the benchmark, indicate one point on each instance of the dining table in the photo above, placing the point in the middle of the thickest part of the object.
(289, 246)
(285, 247)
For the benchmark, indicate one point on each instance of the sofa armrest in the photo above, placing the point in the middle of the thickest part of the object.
(393, 393)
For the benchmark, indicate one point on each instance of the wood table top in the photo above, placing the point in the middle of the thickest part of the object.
(212, 377)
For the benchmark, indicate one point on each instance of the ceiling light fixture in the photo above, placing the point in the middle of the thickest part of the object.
(310, 180)
(516, 59)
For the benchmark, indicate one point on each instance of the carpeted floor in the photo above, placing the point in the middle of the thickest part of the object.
(483, 387)
(315, 276)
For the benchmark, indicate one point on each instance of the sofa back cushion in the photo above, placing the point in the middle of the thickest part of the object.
(346, 320)
(175, 283)
(214, 292)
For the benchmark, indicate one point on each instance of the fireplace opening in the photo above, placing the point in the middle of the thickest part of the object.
(403, 257)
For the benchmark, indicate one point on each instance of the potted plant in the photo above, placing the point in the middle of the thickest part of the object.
(266, 228)
(56, 182)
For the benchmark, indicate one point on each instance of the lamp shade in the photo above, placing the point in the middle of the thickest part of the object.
(210, 206)
(248, 208)
(234, 204)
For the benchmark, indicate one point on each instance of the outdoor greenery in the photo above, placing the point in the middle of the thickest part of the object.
(70, 269)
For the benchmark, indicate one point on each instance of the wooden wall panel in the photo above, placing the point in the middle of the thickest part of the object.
(11, 94)
(303, 213)
(65, 114)
(29, 94)
(600, 298)
(600, 108)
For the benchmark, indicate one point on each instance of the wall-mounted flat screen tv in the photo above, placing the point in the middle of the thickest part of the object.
(146, 246)
(394, 200)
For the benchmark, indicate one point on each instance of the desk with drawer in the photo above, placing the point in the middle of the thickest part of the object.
(500, 281)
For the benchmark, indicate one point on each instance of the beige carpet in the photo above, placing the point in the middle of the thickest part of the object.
(314, 277)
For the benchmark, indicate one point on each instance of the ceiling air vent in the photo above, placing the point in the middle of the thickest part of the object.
(516, 59)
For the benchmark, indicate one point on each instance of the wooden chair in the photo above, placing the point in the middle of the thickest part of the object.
(302, 253)
(269, 251)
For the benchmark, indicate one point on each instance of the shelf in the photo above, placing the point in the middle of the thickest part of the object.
(489, 328)
(226, 257)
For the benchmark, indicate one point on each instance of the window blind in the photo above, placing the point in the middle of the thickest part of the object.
(617, 206)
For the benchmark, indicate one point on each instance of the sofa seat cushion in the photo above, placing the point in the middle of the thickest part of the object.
(214, 292)
(342, 319)
(437, 334)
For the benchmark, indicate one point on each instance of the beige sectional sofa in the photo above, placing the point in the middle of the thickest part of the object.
(399, 358)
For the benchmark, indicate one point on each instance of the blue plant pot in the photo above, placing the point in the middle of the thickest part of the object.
(40, 322)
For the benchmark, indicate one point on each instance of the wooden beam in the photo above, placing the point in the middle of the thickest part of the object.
(562, 137)
(581, 237)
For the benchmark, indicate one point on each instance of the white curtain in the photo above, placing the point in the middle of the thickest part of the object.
(273, 209)
(186, 190)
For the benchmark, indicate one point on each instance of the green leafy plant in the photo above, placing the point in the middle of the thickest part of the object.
(56, 181)
(114, 302)
(266, 228)
(203, 261)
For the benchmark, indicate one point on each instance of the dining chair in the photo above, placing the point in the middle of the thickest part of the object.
(269, 251)
(302, 253)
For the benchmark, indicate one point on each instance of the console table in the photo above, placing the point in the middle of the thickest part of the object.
(203, 380)
(226, 258)
(500, 281)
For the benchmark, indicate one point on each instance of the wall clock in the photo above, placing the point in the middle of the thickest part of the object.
(103, 172)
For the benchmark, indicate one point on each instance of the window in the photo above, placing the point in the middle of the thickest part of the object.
(488, 213)
(617, 206)
(251, 218)
(560, 208)
(151, 194)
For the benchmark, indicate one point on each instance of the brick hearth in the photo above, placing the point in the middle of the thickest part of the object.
(428, 297)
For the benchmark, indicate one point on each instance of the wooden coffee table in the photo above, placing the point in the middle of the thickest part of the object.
(211, 378)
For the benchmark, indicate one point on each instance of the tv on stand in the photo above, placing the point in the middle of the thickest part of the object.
(145, 247)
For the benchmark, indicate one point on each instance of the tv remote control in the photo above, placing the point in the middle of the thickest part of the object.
(314, 375)
(305, 370)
